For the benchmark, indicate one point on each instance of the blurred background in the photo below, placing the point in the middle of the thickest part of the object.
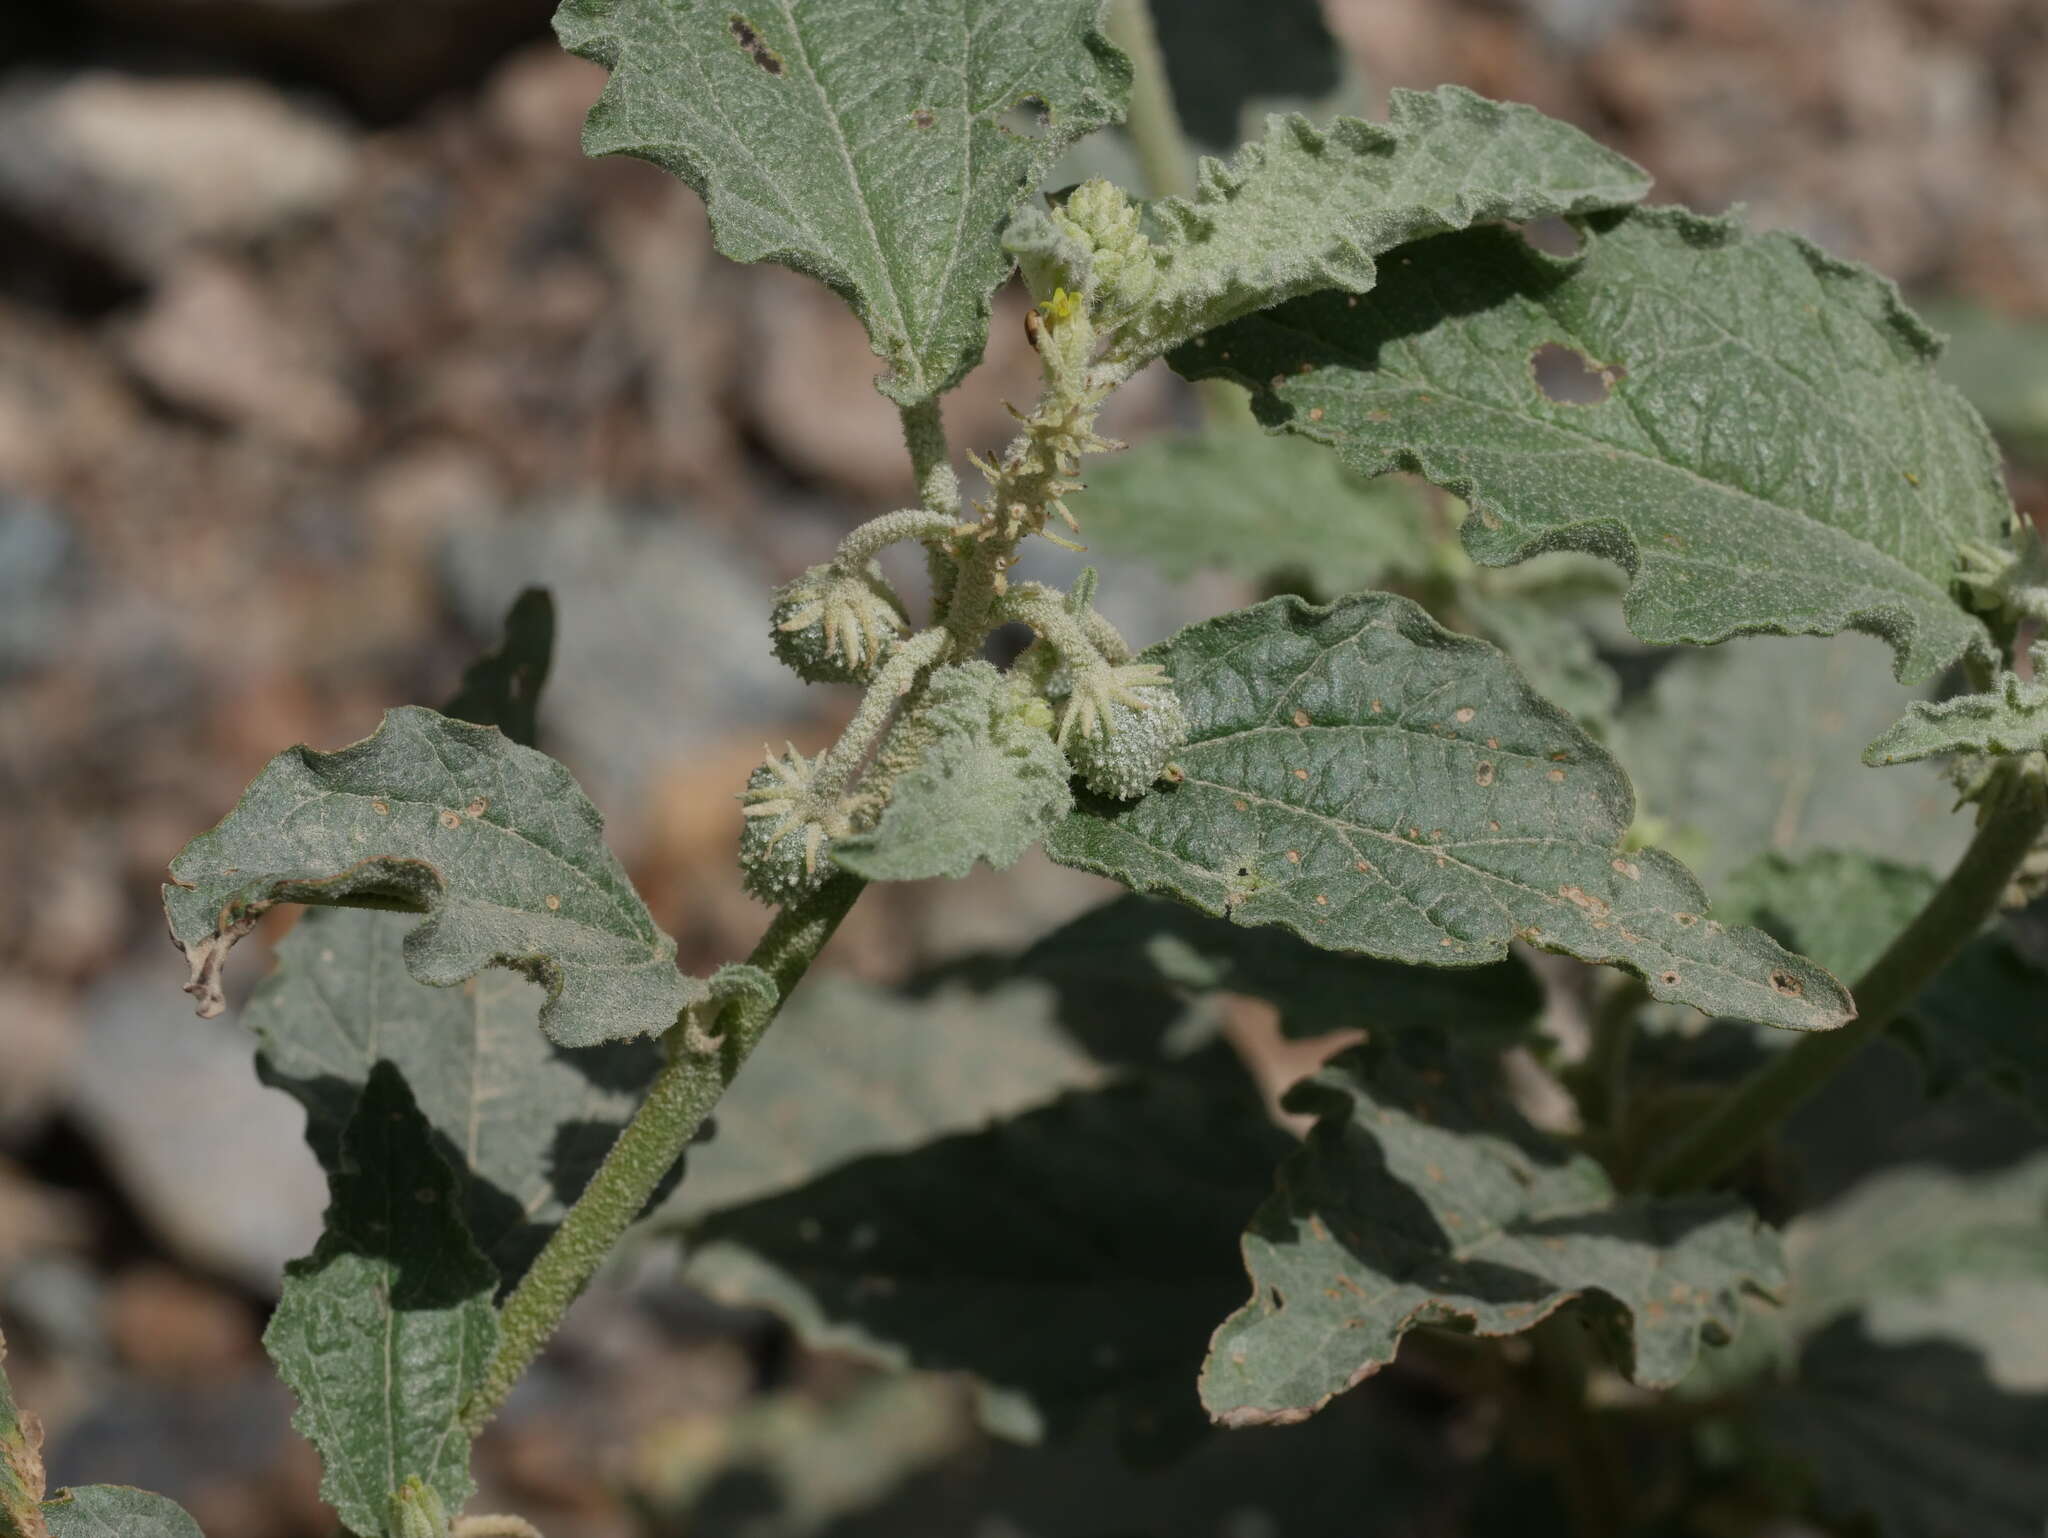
(319, 340)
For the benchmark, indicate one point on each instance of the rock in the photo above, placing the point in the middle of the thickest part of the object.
(215, 1161)
(139, 170)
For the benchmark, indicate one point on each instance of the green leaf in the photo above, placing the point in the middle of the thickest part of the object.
(1838, 906)
(2010, 718)
(863, 143)
(1079, 1250)
(1365, 779)
(1757, 744)
(21, 1464)
(2000, 362)
(1422, 1196)
(1552, 649)
(523, 1122)
(1306, 209)
(1715, 451)
(987, 785)
(852, 1070)
(1255, 505)
(503, 688)
(496, 842)
(383, 1331)
(116, 1511)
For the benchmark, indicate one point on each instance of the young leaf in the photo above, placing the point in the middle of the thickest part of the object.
(1366, 779)
(523, 1122)
(986, 786)
(1308, 209)
(861, 142)
(1423, 1196)
(1707, 442)
(1078, 1250)
(21, 1464)
(1254, 504)
(497, 843)
(116, 1511)
(503, 688)
(2011, 718)
(383, 1331)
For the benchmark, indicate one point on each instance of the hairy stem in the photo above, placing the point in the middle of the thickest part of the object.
(878, 534)
(898, 676)
(647, 1149)
(1955, 913)
(924, 435)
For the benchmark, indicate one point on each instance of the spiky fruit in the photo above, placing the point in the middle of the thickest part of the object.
(833, 626)
(1136, 734)
(785, 852)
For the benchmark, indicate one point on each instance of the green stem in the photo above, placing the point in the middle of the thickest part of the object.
(676, 1105)
(1959, 908)
(1604, 1075)
(924, 435)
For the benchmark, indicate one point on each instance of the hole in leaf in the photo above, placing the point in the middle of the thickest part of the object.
(1787, 984)
(1028, 118)
(745, 34)
(1567, 376)
(1552, 236)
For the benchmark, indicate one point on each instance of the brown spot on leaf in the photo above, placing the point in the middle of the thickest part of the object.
(1579, 897)
(1322, 900)
(748, 38)
(1301, 774)
(924, 117)
(1241, 805)
(1484, 777)
(1315, 413)
(1300, 718)
(1465, 713)
(478, 805)
(1790, 986)
(381, 808)
(1629, 869)
(451, 819)
(1556, 776)
(553, 902)
(1294, 857)
(1668, 979)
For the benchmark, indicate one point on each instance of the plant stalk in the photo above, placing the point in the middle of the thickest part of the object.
(649, 1146)
(1959, 908)
(924, 435)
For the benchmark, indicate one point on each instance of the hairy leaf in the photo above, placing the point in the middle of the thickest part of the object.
(851, 1070)
(523, 1122)
(495, 842)
(1838, 906)
(1362, 777)
(1701, 433)
(1552, 649)
(1255, 505)
(986, 787)
(383, 1331)
(503, 688)
(2011, 718)
(1423, 1196)
(861, 142)
(1078, 1250)
(116, 1511)
(1756, 744)
(1307, 208)
(21, 1464)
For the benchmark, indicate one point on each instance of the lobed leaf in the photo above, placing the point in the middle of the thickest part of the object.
(1373, 783)
(986, 786)
(1423, 1197)
(2012, 717)
(495, 842)
(1255, 505)
(116, 1511)
(1709, 444)
(1307, 209)
(862, 142)
(384, 1330)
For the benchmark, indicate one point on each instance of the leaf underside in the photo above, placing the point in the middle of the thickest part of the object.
(1376, 784)
(1762, 441)
(986, 787)
(495, 842)
(1423, 1197)
(1310, 208)
(862, 142)
(2010, 718)
(384, 1330)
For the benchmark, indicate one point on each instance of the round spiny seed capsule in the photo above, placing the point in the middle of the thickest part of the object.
(783, 854)
(834, 627)
(1129, 748)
